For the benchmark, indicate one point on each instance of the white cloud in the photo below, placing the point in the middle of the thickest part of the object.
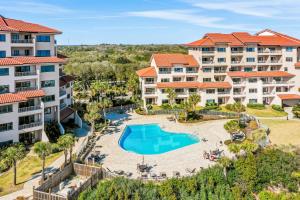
(33, 7)
(285, 9)
(191, 17)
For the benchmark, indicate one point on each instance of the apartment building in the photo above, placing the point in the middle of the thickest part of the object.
(30, 84)
(228, 68)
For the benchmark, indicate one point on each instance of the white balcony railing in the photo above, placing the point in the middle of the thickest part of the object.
(220, 71)
(19, 89)
(31, 125)
(31, 108)
(62, 93)
(207, 62)
(62, 106)
(22, 41)
(33, 73)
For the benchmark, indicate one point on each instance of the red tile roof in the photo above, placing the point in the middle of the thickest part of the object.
(29, 60)
(168, 60)
(289, 96)
(147, 72)
(260, 74)
(63, 80)
(297, 65)
(14, 25)
(242, 38)
(215, 85)
(20, 96)
(178, 85)
(194, 85)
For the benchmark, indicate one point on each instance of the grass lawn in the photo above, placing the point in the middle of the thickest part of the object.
(267, 112)
(283, 131)
(27, 167)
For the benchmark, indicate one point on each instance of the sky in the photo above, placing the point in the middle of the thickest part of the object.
(153, 21)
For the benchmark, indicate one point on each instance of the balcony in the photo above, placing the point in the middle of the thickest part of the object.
(164, 72)
(208, 52)
(62, 93)
(149, 82)
(226, 92)
(207, 62)
(191, 72)
(148, 93)
(22, 41)
(62, 106)
(236, 52)
(33, 73)
(31, 108)
(220, 71)
(19, 89)
(236, 61)
(31, 125)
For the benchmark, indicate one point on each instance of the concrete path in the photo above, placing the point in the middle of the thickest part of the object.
(34, 181)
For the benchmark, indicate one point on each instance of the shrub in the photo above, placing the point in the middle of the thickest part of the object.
(253, 125)
(166, 106)
(55, 148)
(296, 110)
(228, 106)
(52, 131)
(232, 126)
(227, 142)
(277, 108)
(212, 106)
(141, 111)
(257, 106)
(236, 107)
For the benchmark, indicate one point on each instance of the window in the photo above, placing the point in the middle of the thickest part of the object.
(289, 59)
(289, 49)
(178, 69)
(250, 59)
(179, 90)
(69, 84)
(248, 69)
(192, 90)
(48, 83)
(205, 49)
(286, 69)
(47, 68)
(207, 70)
(2, 54)
(220, 60)
(16, 52)
(210, 101)
(4, 89)
(163, 91)
(176, 79)
(221, 49)
(165, 80)
(23, 84)
(4, 71)
(164, 70)
(6, 109)
(210, 91)
(48, 98)
(252, 90)
(165, 101)
(252, 80)
(47, 111)
(22, 69)
(27, 52)
(252, 101)
(206, 79)
(43, 53)
(43, 38)
(190, 78)
(250, 49)
(2, 37)
(68, 96)
(6, 127)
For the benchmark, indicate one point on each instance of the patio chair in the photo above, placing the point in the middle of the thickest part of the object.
(153, 175)
(128, 174)
(144, 175)
(190, 171)
(176, 174)
(163, 175)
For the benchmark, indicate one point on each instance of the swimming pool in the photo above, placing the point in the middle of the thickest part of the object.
(150, 139)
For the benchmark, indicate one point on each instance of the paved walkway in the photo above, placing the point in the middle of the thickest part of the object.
(34, 181)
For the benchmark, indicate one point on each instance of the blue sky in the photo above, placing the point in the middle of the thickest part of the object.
(154, 21)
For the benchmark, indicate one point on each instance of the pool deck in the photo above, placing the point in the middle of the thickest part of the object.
(177, 160)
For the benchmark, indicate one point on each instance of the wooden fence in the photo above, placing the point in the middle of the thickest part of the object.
(94, 174)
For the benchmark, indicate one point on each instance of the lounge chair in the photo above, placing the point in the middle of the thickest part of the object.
(191, 171)
(153, 175)
(128, 174)
(163, 175)
(176, 174)
(144, 175)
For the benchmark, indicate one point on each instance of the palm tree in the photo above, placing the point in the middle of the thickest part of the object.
(133, 84)
(66, 142)
(10, 156)
(187, 108)
(225, 162)
(93, 114)
(171, 95)
(238, 107)
(42, 149)
(194, 99)
(105, 103)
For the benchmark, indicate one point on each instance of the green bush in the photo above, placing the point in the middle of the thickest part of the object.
(296, 110)
(166, 106)
(55, 148)
(212, 106)
(52, 131)
(141, 111)
(257, 106)
(232, 126)
(277, 108)
(236, 107)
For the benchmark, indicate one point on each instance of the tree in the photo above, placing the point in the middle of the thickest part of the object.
(66, 142)
(42, 149)
(249, 147)
(187, 108)
(225, 162)
(234, 148)
(98, 89)
(194, 99)
(93, 114)
(10, 157)
(238, 107)
(105, 103)
(232, 126)
(171, 95)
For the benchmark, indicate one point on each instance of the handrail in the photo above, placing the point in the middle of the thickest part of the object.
(34, 124)
(30, 108)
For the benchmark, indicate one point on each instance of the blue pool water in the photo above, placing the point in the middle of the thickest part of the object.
(149, 139)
